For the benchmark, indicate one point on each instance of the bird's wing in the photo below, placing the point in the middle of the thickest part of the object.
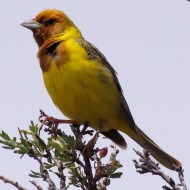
(94, 53)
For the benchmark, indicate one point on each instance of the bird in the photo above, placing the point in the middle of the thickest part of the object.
(83, 85)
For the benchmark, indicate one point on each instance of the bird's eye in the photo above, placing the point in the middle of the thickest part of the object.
(50, 22)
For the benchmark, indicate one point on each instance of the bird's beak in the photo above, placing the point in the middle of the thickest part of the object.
(31, 24)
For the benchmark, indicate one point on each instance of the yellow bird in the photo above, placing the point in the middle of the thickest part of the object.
(82, 83)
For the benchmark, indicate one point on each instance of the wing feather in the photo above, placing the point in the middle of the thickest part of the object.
(94, 53)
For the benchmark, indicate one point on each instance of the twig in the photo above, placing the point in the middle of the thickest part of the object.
(48, 153)
(62, 177)
(47, 178)
(147, 165)
(60, 170)
(86, 151)
(44, 172)
(14, 183)
(38, 187)
(181, 178)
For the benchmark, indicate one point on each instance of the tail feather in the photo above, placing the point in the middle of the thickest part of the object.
(160, 155)
(116, 137)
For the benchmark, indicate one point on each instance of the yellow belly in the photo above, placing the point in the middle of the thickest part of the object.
(84, 91)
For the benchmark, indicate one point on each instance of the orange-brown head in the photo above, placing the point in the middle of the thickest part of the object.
(48, 24)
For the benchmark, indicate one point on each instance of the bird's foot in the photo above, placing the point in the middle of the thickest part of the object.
(51, 123)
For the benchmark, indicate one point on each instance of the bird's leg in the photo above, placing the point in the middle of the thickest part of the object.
(51, 122)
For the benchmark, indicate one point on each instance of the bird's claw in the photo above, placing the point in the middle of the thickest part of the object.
(51, 123)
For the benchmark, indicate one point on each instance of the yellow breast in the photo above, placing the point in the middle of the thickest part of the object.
(81, 88)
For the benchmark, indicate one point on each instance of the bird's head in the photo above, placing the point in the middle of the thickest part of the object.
(48, 24)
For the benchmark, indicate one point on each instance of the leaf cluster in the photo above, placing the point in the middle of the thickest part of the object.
(73, 160)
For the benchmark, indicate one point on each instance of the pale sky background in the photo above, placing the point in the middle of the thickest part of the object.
(147, 42)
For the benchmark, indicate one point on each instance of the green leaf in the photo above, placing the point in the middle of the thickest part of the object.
(5, 136)
(49, 160)
(38, 151)
(22, 150)
(116, 175)
(107, 183)
(48, 166)
(35, 174)
(14, 139)
(33, 127)
(24, 142)
(8, 147)
(25, 132)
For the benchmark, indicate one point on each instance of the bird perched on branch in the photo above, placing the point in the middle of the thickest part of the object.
(82, 83)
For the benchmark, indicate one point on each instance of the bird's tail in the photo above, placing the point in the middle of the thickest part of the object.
(164, 158)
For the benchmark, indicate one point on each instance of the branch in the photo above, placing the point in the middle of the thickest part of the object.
(147, 165)
(86, 151)
(44, 172)
(36, 185)
(14, 183)
(60, 151)
(181, 179)
(58, 163)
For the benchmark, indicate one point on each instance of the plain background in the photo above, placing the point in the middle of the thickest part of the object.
(147, 42)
